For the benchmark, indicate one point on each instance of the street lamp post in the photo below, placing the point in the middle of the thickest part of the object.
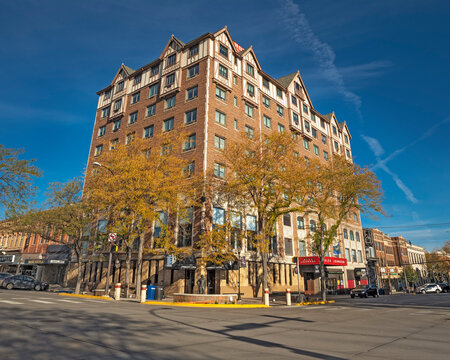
(239, 275)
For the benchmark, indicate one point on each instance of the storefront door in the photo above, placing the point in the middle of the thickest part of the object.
(189, 281)
(211, 281)
(308, 279)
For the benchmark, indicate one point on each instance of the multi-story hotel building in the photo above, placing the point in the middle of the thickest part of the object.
(212, 89)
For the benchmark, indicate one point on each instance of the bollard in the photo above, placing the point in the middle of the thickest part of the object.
(288, 297)
(266, 297)
(143, 293)
(117, 291)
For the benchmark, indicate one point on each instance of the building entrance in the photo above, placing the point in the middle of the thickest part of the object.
(211, 281)
(189, 281)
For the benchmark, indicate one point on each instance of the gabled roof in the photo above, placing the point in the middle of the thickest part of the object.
(328, 116)
(128, 69)
(225, 30)
(286, 80)
(344, 125)
(172, 38)
(246, 51)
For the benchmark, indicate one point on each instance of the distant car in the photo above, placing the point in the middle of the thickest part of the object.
(364, 291)
(444, 286)
(431, 288)
(24, 282)
(421, 287)
(3, 276)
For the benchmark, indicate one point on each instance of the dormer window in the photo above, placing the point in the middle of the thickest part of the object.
(297, 86)
(193, 50)
(171, 59)
(119, 86)
(137, 79)
(223, 50)
(155, 70)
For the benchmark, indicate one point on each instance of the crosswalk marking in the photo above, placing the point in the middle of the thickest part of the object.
(42, 301)
(11, 302)
(69, 301)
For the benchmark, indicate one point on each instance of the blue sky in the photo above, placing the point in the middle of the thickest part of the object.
(382, 66)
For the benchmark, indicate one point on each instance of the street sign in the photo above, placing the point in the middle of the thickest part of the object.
(170, 260)
(112, 237)
(243, 263)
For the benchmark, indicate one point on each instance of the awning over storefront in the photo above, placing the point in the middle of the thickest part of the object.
(315, 260)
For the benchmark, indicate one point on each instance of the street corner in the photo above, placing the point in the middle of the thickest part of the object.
(85, 296)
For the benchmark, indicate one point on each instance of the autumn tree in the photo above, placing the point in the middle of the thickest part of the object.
(133, 185)
(64, 214)
(16, 177)
(265, 177)
(411, 275)
(336, 189)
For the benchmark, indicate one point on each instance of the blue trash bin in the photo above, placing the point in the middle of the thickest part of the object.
(151, 290)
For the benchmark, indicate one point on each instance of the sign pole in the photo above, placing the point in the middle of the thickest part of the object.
(108, 271)
(298, 278)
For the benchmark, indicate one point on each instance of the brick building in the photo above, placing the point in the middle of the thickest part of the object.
(212, 89)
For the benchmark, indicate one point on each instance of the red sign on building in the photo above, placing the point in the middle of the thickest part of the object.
(314, 260)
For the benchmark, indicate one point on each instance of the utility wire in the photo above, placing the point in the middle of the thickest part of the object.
(412, 226)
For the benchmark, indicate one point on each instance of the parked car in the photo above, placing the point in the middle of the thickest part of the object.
(24, 282)
(3, 276)
(431, 288)
(445, 287)
(364, 291)
(421, 287)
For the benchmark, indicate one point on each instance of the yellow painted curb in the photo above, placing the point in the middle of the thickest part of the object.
(86, 296)
(223, 306)
(316, 303)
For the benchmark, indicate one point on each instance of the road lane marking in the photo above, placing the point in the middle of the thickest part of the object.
(11, 302)
(42, 301)
(69, 301)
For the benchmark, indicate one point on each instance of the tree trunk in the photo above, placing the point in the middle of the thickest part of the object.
(79, 274)
(264, 256)
(323, 283)
(139, 267)
(127, 272)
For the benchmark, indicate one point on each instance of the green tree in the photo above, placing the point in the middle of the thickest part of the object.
(335, 190)
(411, 275)
(16, 178)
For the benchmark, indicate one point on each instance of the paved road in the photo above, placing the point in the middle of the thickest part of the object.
(37, 325)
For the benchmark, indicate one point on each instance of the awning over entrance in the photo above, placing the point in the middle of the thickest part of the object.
(314, 260)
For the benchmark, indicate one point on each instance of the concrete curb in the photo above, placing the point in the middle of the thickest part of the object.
(316, 303)
(223, 306)
(86, 296)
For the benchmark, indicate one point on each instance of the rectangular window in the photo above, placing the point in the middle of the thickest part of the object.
(193, 71)
(313, 117)
(234, 79)
(189, 143)
(153, 90)
(185, 229)
(266, 101)
(295, 118)
(235, 124)
(347, 151)
(316, 150)
(322, 123)
(360, 259)
(352, 236)
(300, 223)
(130, 138)
(218, 216)
(324, 139)
(357, 236)
(294, 100)
(219, 142)
(219, 170)
(279, 110)
(250, 89)
(148, 132)
(168, 124)
(190, 116)
(301, 248)
(119, 86)
(267, 121)
(306, 144)
(192, 93)
(353, 255)
(287, 219)
(305, 108)
(155, 70)
(172, 59)
(113, 144)
(105, 112)
(280, 128)
(250, 70)
(223, 71)
(151, 110)
(135, 97)
(117, 105)
(347, 255)
(336, 146)
(345, 234)
(170, 79)
(334, 130)
(249, 131)
(325, 155)
(160, 221)
(137, 79)
(235, 101)
(189, 169)
(307, 127)
(133, 118)
(193, 51)
(220, 93)
(288, 251)
(170, 102)
(101, 131)
(314, 133)
(223, 50)
(279, 92)
(107, 94)
(116, 125)
(98, 150)
(249, 110)
(265, 82)
(221, 118)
